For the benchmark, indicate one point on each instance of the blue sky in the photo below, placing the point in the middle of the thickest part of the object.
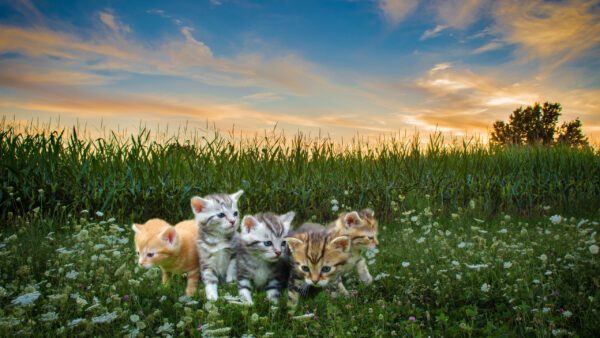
(339, 67)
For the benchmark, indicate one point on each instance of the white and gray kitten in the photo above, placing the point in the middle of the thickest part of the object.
(261, 261)
(217, 217)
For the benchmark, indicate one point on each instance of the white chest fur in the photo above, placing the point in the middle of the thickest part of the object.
(260, 274)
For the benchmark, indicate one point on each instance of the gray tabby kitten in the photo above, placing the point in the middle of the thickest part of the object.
(217, 217)
(260, 256)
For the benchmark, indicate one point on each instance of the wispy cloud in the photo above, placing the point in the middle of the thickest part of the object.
(554, 32)
(395, 11)
(433, 32)
(488, 47)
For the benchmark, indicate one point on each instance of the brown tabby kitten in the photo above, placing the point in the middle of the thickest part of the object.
(362, 228)
(317, 259)
(173, 249)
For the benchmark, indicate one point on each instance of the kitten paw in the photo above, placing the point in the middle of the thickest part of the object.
(368, 279)
(246, 297)
(211, 293)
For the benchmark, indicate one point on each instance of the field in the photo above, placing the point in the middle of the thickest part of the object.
(473, 240)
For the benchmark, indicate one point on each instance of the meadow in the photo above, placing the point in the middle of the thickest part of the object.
(473, 240)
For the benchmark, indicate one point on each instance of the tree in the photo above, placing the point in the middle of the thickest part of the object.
(537, 124)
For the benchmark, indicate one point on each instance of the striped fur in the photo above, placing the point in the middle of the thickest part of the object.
(362, 228)
(260, 257)
(217, 217)
(318, 258)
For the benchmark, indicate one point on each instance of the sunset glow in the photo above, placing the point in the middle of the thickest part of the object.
(338, 68)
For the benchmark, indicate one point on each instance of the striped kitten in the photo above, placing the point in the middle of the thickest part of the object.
(317, 258)
(260, 258)
(217, 217)
(362, 228)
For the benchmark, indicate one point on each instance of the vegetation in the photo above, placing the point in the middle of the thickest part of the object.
(473, 240)
(537, 125)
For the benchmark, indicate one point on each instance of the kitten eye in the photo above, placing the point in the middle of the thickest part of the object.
(221, 215)
(268, 243)
(305, 268)
(235, 213)
(283, 243)
(150, 254)
(326, 269)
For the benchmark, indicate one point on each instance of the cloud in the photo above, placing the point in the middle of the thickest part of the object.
(395, 11)
(555, 32)
(432, 32)
(459, 13)
(109, 20)
(488, 47)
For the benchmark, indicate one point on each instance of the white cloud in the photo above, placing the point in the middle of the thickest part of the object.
(395, 11)
(433, 32)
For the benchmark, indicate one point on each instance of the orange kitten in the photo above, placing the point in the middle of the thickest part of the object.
(173, 249)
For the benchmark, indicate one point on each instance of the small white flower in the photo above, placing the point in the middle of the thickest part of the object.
(507, 217)
(335, 208)
(85, 211)
(99, 213)
(556, 219)
(458, 276)
(49, 316)
(166, 328)
(536, 281)
(27, 299)
(507, 265)
(405, 264)
(334, 201)
(462, 245)
(381, 275)
(594, 249)
(545, 309)
(543, 257)
(485, 287)
(476, 266)
(105, 318)
(548, 273)
(455, 263)
(414, 218)
(72, 274)
(76, 322)
(421, 240)
(502, 231)
(567, 313)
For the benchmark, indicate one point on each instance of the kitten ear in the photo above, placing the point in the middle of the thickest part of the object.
(236, 195)
(249, 223)
(136, 228)
(369, 212)
(287, 219)
(199, 204)
(352, 220)
(341, 243)
(294, 242)
(168, 235)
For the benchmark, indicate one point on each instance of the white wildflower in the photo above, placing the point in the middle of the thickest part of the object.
(545, 309)
(414, 218)
(478, 220)
(548, 273)
(507, 265)
(594, 249)
(462, 245)
(405, 264)
(76, 322)
(556, 219)
(543, 257)
(72, 274)
(105, 318)
(458, 276)
(166, 328)
(381, 275)
(49, 316)
(476, 266)
(567, 313)
(485, 287)
(85, 211)
(27, 299)
(536, 281)
(110, 220)
(507, 217)
(455, 263)
(335, 208)
(371, 252)
(99, 213)
(334, 202)
(472, 204)
(421, 240)
(502, 231)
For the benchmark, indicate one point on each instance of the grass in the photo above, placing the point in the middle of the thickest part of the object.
(471, 242)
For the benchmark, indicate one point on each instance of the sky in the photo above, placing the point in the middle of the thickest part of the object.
(336, 68)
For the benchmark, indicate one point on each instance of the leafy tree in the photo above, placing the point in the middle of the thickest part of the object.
(537, 124)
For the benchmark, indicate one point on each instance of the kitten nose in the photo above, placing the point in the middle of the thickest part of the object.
(315, 281)
(278, 253)
(232, 222)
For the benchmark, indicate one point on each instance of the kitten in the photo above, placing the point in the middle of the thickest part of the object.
(362, 228)
(317, 259)
(260, 256)
(173, 249)
(217, 217)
